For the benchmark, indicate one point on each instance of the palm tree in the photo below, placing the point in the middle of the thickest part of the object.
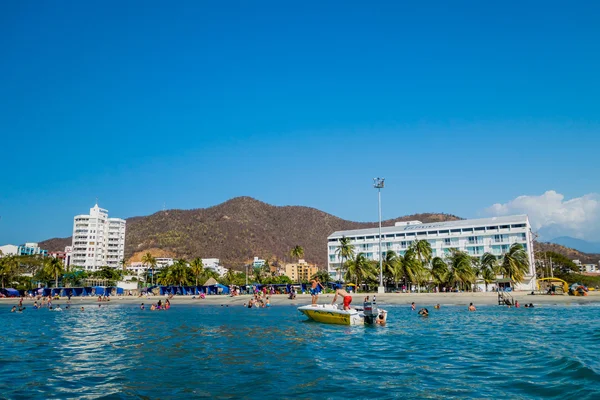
(459, 268)
(322, 275)
(197, 268)
(390, 265)
(345, 252)
(359, 270)
(488, 277)
(439, 270)
(54, 266)
(422, 250)
(178, 273)
(8, 267)
(149, 260)
(410, 267)
(124, 266)
(297, 252)
(515, 263)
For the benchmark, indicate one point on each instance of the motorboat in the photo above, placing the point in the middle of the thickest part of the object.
(334, 314)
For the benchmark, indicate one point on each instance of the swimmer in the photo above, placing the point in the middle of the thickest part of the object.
(142, 306)
(13, 309)
(347, 298)
(152, 307)
(530, 305)
(381, 318)
(35, 305)
(423, 312)
(472, 307)
(413, 306)
(81, 308)
(437, 306)
(268, 303)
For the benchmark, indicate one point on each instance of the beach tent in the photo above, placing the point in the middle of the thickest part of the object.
(79, 291)
(99, 290)
(119, 291)
(210, 282)
(10, 292)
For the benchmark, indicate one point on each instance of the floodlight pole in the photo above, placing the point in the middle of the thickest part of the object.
(379, 183)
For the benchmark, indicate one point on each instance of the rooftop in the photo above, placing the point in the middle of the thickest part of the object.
(464, 223)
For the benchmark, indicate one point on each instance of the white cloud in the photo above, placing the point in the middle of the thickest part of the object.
(552, 216)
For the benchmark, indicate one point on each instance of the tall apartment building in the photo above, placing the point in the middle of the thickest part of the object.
(98, 241)
(474, 236)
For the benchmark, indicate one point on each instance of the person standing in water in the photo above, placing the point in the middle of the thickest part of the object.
(315, 289)
(347, 298)
(472, 307)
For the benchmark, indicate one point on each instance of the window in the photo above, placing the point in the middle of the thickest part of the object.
(491, 228)
(370, 237)
(516, 226)
(444, 232)
(432, 233)
(481, 228)
(447, 242)
(455, 231)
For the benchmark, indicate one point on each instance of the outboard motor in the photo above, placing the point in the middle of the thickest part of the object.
(370, 311)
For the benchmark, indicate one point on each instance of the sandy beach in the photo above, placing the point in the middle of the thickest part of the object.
(421, 299)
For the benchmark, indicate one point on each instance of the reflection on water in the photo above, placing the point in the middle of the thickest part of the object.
(123, 352)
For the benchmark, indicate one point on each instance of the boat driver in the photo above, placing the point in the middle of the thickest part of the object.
(347, 298)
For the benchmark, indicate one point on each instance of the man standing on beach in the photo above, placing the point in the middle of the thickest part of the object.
(347, 298)
(315, 289)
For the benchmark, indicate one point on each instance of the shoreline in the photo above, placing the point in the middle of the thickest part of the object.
(445, 299)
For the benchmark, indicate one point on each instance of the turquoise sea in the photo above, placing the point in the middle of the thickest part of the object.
(119, 351)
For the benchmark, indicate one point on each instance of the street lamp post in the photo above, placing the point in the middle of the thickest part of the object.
(379, 183)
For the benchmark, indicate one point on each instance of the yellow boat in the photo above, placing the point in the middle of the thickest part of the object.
(331, 314)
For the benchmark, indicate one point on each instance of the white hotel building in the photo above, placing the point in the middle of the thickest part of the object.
(98, 241)
(474, 236)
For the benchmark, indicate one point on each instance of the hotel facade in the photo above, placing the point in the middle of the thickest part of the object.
(98, 241)
(473, 236)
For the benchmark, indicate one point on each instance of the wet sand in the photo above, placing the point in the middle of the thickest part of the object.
(420, 299)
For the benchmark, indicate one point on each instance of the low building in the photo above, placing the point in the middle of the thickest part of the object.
(300, 271)
(27, 249)
(215, 265)
(257, 263)
(162, 262)
(9, 250)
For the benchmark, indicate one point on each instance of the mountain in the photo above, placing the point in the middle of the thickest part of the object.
(579, 244)
(237, 230)
(585, 258)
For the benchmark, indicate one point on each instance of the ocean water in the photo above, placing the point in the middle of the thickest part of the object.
(119, 351)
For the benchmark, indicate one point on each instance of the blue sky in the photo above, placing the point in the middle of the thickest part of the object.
(295, 103)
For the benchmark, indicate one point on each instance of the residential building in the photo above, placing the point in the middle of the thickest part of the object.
(257, 263)
(214, 264)
(9, 250)
(162, 262)
(27, 249)
(98, 240)
(475, 237)
(300, 271)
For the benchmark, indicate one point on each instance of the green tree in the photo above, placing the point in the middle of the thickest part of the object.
(359, 270)
(179, 272)
(54, 266)
(322, 275)
(390, 266)
(297, 252)
(515, 263)
(345, 252)
(439, 271)
(197, 268)
(422, 251)
(9, 267)
(460, 271)
(488, 276)
(124, 265)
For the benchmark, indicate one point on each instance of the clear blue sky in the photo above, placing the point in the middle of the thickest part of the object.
(191, 103)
